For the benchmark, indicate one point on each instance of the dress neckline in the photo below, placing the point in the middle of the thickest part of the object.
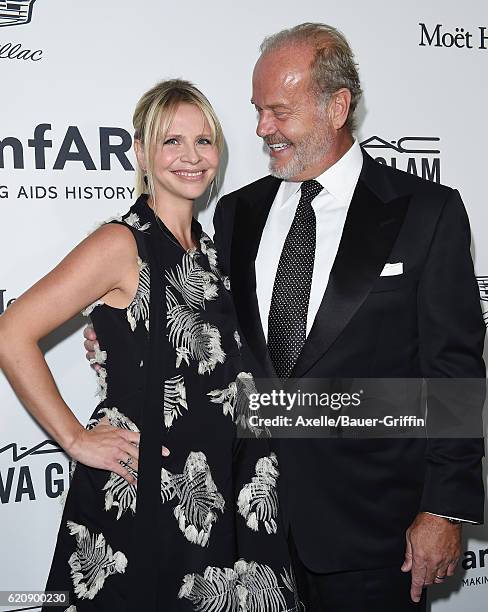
(147, 215)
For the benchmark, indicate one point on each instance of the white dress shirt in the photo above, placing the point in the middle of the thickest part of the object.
(330, 206)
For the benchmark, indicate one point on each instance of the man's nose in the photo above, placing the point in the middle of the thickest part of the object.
(265, 125)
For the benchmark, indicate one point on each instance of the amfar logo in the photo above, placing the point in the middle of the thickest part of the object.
(20, 483)
(483, 287)
(417, 155)
(15, 12)
(43, 151)
(73, 148)
(475, 560)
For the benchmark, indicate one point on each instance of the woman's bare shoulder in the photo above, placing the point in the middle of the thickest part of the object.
(115, 239)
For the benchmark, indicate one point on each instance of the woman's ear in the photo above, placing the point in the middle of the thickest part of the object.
(139, 151)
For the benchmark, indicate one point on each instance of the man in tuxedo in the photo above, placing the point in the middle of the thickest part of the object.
(342, 267)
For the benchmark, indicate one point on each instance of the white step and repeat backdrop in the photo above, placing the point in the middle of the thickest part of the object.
(70, 75)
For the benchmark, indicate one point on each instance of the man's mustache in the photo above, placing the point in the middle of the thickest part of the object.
(273, 141)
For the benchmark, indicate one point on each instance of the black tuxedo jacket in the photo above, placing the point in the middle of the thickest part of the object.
(349, 502)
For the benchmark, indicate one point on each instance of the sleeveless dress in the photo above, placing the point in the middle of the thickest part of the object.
(201, 531)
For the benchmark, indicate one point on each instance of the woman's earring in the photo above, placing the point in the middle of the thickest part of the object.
(146, 182)
(215, 181)
(210, 193)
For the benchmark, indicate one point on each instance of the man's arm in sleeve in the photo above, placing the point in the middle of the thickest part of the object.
(451, 337)
(222, 235)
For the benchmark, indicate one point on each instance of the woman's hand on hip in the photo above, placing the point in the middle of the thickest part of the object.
(109, 448)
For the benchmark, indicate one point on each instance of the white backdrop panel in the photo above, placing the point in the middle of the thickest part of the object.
(97, 59)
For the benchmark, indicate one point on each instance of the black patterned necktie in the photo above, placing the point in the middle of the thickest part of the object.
(287, 320)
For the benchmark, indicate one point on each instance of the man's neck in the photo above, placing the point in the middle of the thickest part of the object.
(337, 150)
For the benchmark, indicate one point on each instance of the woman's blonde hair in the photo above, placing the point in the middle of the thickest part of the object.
(152, 119)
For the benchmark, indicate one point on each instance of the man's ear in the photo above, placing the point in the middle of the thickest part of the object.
(339, 105)
(139, 151)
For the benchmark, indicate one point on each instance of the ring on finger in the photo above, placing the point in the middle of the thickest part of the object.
(127, 462)
(440, 577)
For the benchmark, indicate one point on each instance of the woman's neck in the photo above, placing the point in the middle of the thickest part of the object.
(177, 217)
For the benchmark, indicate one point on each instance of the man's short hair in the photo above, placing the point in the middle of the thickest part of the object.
(333, 66)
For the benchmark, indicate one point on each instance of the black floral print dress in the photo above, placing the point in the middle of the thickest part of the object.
(201, 531)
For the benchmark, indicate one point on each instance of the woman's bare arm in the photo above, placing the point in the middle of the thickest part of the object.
(103, 265)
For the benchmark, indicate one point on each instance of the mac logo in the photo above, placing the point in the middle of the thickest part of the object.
(419, 155)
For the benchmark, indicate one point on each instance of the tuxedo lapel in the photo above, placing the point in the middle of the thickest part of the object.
(370, 230)
(250, 218)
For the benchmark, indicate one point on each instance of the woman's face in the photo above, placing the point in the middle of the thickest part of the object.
(185, 161)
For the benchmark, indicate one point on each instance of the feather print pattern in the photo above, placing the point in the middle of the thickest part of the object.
(290, 582)
(174, 399)
(191, 337)
(133, 220)
(194, 283)
(235, 402)
(89, 309)
(198, 498)
(208, 249)
(247, 587)
(258, 500)
(189, 288)
(138, 309)
(93, 561)
(118, 492)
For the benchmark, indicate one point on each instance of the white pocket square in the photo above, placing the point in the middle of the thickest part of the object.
(392, 269)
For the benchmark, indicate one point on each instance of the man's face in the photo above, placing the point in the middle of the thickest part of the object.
(296, 130)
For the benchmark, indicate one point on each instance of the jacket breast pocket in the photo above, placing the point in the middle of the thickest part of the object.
(399, 281)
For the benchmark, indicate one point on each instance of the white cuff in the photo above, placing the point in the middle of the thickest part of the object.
(455, 518)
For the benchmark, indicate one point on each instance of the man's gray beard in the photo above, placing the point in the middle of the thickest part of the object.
(306, 154)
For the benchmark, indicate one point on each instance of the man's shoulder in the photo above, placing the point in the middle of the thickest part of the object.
(408, 183)
(428, 200)
(262, 184)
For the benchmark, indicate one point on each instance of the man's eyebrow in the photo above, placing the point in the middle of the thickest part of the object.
(273, 106)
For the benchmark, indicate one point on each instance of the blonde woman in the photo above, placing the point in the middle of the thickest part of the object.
(167, 509)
